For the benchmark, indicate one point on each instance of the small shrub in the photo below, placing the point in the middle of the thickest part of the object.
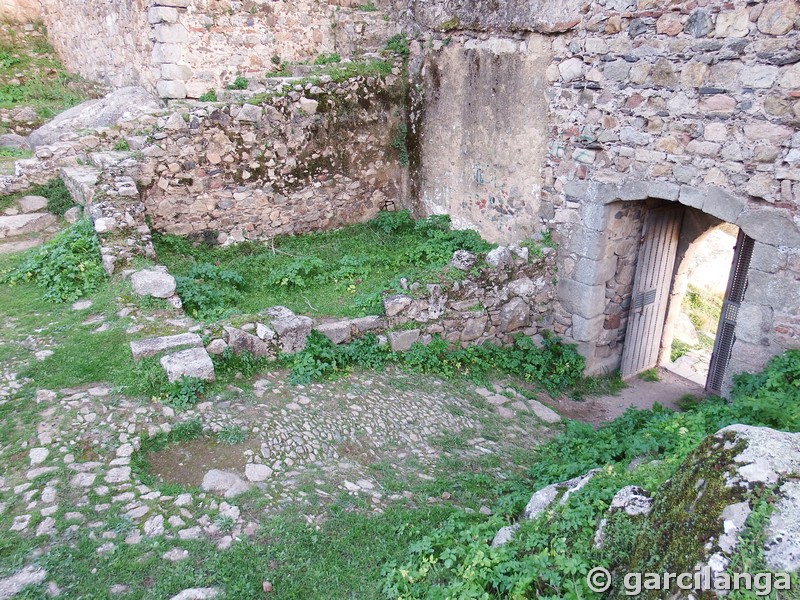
(399, 143)
(230, 364)
(369, 7)
(183, 394)
(209, 96)
(398, 44)
(649, 375)
(240, 83)
(122, 145)
(207, 290)
(328, 58)
(297, 273)
(224, 523)
(231, 435)
(59, 200)
(67, 267)
(390, 222)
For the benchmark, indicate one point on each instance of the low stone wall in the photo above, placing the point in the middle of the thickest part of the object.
(511, 293)
(317, 157)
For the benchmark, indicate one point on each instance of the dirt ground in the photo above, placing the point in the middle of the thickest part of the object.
(639, 394)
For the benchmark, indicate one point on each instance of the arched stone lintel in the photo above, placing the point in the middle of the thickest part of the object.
(770, 226)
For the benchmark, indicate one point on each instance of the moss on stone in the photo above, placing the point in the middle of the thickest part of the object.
(687, 513)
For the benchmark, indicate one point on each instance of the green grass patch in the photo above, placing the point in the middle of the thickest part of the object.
(32, 75)
(342, 272)
(550, 557)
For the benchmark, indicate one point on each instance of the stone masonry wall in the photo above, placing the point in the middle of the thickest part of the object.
(511, 293)
(103, 41)
(315, 158)
(184, 48)
(694, 104)
(690, 102)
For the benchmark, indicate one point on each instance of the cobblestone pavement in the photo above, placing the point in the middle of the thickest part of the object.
(305, 445)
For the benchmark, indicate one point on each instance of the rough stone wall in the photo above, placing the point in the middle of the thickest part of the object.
(20, 11)
(513, 297)
(204, 45)
(317, 158)
(184, 48)
(693, 102)
(479, 134)
(690, 104)
(103, 41)
(502, 300)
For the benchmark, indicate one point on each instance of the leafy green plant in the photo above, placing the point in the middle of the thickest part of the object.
(59, 199)
(328, 58)
(209, 96)
(230, 364)
(183, 394)
(207, 290)
(66, 268)
(554, 366)
(231, 435)
(649, 375)
(240, 83)
(297, 273)
(368, 7)
(772, 397)
(398, 44)
(224, 523)
(122, 145)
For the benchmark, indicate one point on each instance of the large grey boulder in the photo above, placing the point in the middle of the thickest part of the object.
(292, 332)
(154, 282)
(14, 142)
(194, 362)
(31, 204)
(28, 223)
(124, 104)
(514, 315)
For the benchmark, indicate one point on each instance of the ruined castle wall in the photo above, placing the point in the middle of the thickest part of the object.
(104, 41)
(184, 48)
(682, 103)
(480, 136)
(314, 159)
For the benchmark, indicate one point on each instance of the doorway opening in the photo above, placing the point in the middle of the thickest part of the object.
(690, 278)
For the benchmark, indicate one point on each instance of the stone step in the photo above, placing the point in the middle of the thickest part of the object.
(152, 346)
(81, 182)
(194, 362)
(11, 226)
(16, 245)
(112, 158)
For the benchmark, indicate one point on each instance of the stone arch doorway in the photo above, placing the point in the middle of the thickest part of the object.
(670, 257)
(598, 255)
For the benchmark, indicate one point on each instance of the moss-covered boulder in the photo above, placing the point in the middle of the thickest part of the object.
(700, 516)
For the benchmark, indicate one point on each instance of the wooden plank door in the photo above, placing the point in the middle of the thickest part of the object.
(651, 288)
(737, 284)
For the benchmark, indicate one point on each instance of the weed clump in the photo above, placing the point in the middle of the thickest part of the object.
(66, 268)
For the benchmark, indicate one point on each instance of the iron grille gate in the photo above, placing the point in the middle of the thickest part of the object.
(737, 284)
